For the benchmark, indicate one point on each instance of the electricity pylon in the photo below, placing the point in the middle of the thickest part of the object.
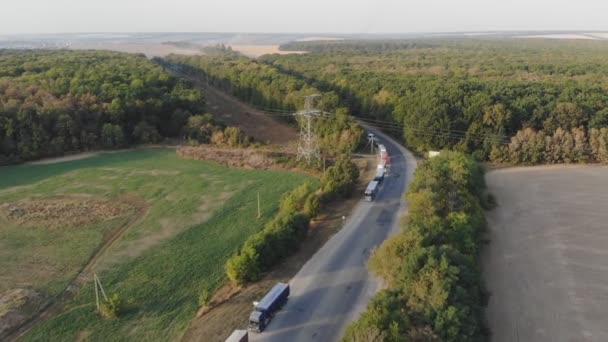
(307, 147)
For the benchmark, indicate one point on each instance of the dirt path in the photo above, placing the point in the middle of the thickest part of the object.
(70, 157)
(546, 265)
(233, 112)
(55, 306)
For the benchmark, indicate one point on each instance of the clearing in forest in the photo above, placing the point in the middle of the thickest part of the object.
(156, 228)
(546, 264)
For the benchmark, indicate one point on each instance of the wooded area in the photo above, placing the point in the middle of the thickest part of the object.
(53, 102)
(431, 267)
(469, 95)
(275, 92)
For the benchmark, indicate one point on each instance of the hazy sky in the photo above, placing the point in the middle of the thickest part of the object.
(339, 16)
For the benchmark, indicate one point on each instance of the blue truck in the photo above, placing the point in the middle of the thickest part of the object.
(272, 302)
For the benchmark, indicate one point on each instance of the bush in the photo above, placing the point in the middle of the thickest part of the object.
(113, 307)
(204, 298)
(340, 178)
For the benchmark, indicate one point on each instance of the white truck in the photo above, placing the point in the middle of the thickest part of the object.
(371, 191)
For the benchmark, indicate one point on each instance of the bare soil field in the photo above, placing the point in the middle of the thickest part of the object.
(148, 49)
(546, 264)
(256, 51)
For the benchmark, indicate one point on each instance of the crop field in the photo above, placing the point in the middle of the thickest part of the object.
(546, 264)
(156, 228)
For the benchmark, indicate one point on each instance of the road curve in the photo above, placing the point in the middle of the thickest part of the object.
(334, 286)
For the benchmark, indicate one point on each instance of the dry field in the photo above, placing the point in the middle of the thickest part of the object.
(255, 51)
(546, 264)
(149, 49)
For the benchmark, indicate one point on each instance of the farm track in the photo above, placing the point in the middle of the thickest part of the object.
(55, 305)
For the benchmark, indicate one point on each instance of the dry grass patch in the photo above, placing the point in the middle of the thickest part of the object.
(63, 211)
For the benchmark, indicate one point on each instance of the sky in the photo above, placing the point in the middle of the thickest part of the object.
(310, 16)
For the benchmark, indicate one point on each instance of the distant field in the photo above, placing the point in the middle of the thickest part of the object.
(149, 49)
(184, 218)
(546, 265)
(259, 50)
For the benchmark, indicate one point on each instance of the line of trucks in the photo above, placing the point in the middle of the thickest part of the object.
(277, 297)
(384, 162)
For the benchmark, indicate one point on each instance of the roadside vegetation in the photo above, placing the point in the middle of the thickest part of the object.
(471, 95)
(286, 231)
(431, 268)
(186, 217)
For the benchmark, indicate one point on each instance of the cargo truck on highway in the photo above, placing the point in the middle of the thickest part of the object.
(272, 302)
(371, 191)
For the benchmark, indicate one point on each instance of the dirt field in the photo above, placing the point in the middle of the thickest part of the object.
(149, 49)
(546, 265)
(256, 51)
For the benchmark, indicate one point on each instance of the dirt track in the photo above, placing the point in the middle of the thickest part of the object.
(546, 265)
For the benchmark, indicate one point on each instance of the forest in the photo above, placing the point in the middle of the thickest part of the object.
(471, 95)
(55, 102)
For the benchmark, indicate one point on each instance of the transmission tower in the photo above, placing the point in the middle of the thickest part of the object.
(307, 147)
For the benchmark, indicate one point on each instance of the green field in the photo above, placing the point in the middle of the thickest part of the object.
(187, 218)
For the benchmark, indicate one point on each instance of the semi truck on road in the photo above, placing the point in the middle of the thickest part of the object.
(371, 191)
(265, 309)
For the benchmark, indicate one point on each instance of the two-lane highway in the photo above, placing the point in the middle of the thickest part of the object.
(334, 286)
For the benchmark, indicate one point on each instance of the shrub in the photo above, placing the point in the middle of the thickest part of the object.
(340, 178)
(113, 307)
(204, 298)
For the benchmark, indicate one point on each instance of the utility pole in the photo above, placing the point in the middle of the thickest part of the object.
(308, 148)
(259, 211)
(371, 141)
(98, 283)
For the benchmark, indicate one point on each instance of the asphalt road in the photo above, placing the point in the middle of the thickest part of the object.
(334, 286)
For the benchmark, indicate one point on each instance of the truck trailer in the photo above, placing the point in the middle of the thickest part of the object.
(371, 191)
(265, 309)
(379, 176)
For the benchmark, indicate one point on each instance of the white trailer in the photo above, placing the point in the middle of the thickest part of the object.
(371, 191)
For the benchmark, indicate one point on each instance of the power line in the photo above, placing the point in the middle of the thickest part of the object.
(491, 135)
(393, 126)
(442, 132)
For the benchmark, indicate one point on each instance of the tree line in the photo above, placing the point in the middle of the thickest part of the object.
(470, 95)
(274, 91)
(53, 102)
(431, 268)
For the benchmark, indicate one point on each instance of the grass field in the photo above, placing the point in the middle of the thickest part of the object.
(184, 219)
